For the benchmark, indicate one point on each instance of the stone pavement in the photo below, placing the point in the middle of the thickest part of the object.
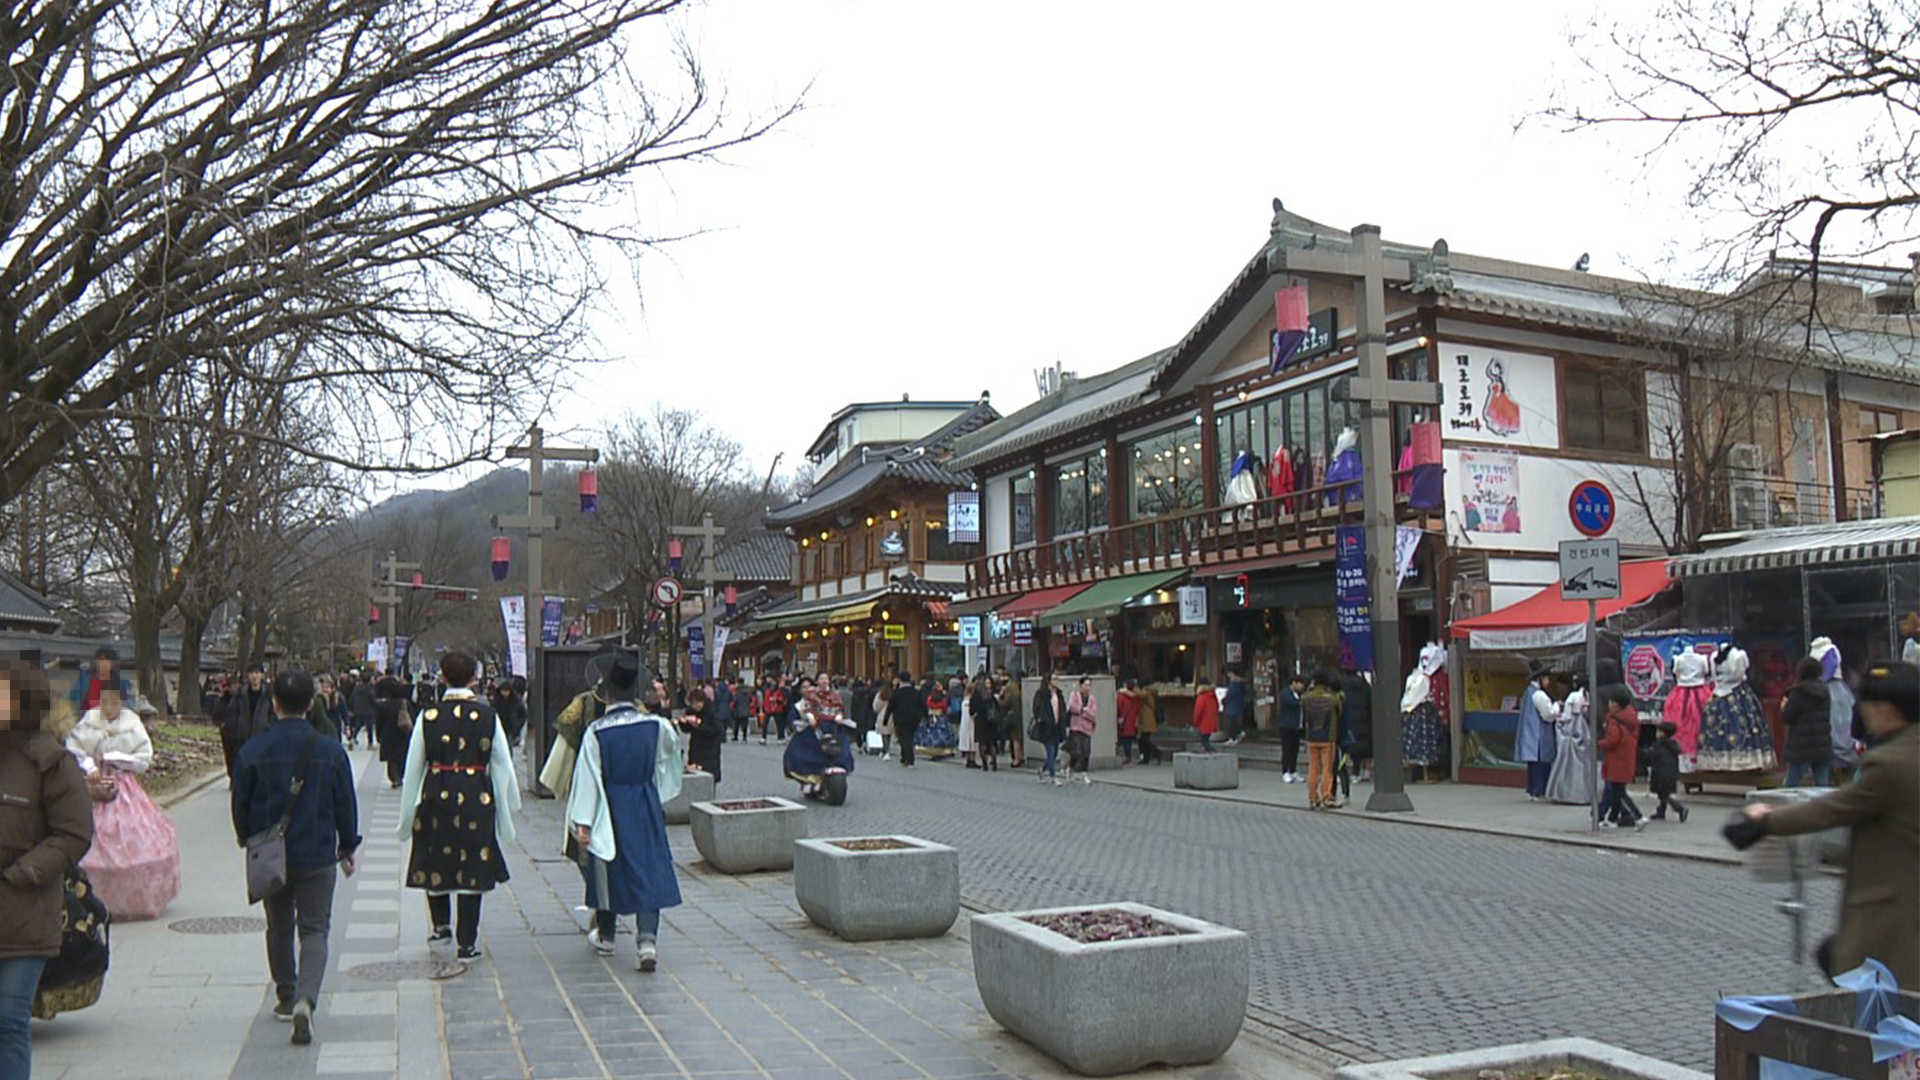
(1477, 808)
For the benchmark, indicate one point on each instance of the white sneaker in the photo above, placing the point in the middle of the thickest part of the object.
(603, 946)
(649, 955)
(1056, 781)
(1085, 779)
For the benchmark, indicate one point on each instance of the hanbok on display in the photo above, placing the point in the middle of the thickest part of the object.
(1840, 697)
(1686, 705)
(1423, 729)
(1345, 473)
(1571, 780)
(1734, 736)
(134, 863)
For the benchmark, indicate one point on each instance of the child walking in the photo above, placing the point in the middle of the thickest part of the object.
(1664, 757)
(1617, 752)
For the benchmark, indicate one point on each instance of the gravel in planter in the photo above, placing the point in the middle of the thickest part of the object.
(870, 888)
(1104, 924)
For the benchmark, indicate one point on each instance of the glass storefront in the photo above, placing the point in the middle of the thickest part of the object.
(1164, 474)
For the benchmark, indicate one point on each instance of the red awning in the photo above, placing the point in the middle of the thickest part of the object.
(1033, 603)
(937, 609)
(1639, 581)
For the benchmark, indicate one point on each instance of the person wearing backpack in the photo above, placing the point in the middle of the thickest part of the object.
(1320, 724)
(45, 831)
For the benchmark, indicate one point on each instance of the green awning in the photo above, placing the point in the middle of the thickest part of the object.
(1103, 599)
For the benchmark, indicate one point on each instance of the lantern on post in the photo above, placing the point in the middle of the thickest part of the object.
(1289, 325)
(674, 551)
(589, 491)
(733, 599)
(419, 579)
(373, 615)
(502, 551)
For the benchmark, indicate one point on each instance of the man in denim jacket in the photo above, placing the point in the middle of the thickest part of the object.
(323, 832)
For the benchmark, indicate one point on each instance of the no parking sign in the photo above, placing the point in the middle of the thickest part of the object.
(1591, 508)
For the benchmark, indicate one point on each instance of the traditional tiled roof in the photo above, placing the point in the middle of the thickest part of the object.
(922, 461)
(1075, 405)
(22, 604)
(761, 556)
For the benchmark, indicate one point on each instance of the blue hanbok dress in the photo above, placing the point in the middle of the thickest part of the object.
(629, 765)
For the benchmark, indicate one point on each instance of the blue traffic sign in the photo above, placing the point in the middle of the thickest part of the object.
(1591, 508)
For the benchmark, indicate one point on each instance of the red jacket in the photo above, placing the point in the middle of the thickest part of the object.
(1619, 746)
(1126, 707)
(1206, 713)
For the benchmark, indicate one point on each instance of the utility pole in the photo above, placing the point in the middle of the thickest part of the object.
(388, 596)
(1369, 270)
(709, 536)
(536, 522)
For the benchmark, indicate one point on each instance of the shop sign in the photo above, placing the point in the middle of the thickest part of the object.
(1234, 652)
(1093, 648)
(1241, 592)
(1490, 492)
(998, 628)
(1321, 327)
(1353, 600)
(963, 517)
(1163, 619)
(1059, 647)
(969, 629)
(893, 541)
(1493, 395)
(895, 632)
(1022, 632)
(1193, 605)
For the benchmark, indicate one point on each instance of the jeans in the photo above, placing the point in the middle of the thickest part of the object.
(1822, 773)
(1052, 765)
(303, 909)
(1126, 749)
(19, 982)
(1149, 753)
(1319, 772)
(1616, 806)
(1231, 726)
(608, 923)
(1290, 751)
(1537, 773)
(1206, 743)
(440, 913)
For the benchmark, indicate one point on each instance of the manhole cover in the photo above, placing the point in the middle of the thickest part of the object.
(400, 970)
(220, 924)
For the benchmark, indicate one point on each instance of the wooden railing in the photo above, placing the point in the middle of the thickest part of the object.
(1300, 523)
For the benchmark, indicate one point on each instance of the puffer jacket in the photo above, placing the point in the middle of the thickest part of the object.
(46, 826)
(1808, 716)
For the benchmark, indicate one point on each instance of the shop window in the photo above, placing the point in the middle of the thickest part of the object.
(939, 550)
(1163, 473)
(1023, 509)
(1080, 495)
(1607, 409)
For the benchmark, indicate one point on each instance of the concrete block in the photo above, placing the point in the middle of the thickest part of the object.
(1184, 997)
(1206, 772)
(904, 892)
(694, 787)
(741, 841)
(1527, 1059)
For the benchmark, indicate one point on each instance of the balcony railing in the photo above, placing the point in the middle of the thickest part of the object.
(1299, 523)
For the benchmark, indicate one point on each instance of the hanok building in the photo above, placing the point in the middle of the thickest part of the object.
(1120, 539)
(875, 570)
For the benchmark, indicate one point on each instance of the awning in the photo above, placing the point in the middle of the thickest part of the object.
(1033, 603)
(1103, 599)
(937, 609)
(1544, 620)
(1877, 540)
(961, 608)
(852, 613)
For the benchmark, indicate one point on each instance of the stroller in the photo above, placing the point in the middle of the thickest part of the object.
(73, 979)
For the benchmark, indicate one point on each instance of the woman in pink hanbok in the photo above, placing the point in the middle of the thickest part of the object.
(134, 863)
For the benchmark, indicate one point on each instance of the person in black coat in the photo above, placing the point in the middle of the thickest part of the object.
(908, 708)
(704, 731)
(392, 724)
(1356, 722)
(1807, 715)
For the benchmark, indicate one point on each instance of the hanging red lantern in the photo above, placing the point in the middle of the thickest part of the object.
(1289, 324)
(589, 491)
(733, 599)
(674, 551)
(373, 615)
(502, 550)
(419, 579)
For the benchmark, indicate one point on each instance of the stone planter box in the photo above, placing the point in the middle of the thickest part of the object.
(694, 787)
(1184, 999)
(906, 891)
(1527, 1059)
(1206, 772)
(741, 836)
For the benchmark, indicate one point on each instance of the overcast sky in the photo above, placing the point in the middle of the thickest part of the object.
(978, 190)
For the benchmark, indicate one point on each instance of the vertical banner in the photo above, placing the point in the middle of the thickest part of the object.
(1406, 544)
(552, 609)
(720, 636)
(377, 654)
(1193, 605)
(513, 612)
(1353, 600)
(697, 651)
(400, 645)
(963, 517)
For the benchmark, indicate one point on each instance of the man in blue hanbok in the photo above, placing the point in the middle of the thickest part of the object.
(630, 763)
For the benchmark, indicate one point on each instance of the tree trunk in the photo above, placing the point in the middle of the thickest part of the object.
(193, 629)
(150, 674)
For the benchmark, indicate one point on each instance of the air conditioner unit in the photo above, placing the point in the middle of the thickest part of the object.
(1749, 503)
(1744, 458)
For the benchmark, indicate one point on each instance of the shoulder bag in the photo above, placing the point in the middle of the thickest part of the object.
(267, 849)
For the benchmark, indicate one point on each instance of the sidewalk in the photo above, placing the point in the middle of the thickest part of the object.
(1477, 808)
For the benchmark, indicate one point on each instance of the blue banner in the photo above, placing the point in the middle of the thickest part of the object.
(697, 651)
(550, 617)
(1353, 599)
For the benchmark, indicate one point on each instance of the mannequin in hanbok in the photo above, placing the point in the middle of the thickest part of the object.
(1686, 705)
(1423, 726)
(134, 863)
(1571, 780)
(1733, 732)
(1840, 695)
(1345, 469)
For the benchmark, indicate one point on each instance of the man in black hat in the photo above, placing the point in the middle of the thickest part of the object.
(587, 706)
(630, 765)
(1533, 738)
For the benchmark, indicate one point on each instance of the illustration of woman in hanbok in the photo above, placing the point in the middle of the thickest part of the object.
(1501, 414)
(1733, 733)
(134, 863)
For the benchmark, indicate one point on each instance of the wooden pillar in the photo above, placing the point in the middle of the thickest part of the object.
(1043, 517)
(1209, 452)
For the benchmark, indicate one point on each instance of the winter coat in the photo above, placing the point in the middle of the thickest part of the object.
(1808, 716)
(1356, 716)
(1663, 758)
(240, 723)
(1126, 708)
(1206, 713)
(96, 735)
(1049, 714)
(1234, 705)
(1619, 746)
(1320, 714)
(1882, 807)
(325, 825)
(83, 689)
(1289, 709)
(46, 826)
(1083, 711)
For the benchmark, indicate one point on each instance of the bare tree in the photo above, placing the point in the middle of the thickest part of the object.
(404, 195)
(1800, 118)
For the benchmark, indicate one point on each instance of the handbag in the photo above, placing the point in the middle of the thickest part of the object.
(73, 978)
(267, 849)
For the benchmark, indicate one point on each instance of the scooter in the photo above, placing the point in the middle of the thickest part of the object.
(820, 757)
